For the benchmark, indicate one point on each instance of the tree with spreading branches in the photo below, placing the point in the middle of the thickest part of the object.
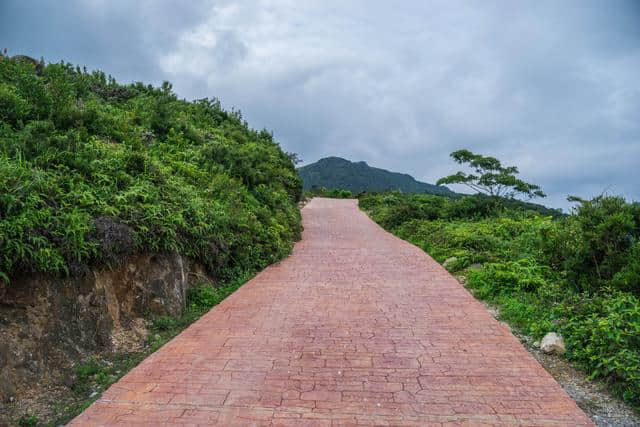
(490, 177)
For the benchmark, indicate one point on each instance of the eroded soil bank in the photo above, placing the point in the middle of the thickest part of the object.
(48, 324)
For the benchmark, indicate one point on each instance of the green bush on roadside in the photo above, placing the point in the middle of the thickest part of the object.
(603, 337)
(332, 194)
(596, 244)
(92, 171)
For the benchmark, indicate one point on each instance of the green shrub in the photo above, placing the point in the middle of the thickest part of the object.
(108, 170)
(524, 290)
(330, 193)
(524, 275)
(165, 323)
(13, 108)
(472, 207)
(628, 277)
(204, 296)
(595, 244)
(603, 336)
(28, 420)
(395, 208)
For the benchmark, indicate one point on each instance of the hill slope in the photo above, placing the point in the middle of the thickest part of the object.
(92, 170)
(339, 173)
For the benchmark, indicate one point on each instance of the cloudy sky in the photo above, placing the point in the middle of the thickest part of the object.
(550, 86)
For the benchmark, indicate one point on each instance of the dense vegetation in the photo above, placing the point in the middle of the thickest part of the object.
(92, 170)
(578, 275)
(336, 173)
(323, 192)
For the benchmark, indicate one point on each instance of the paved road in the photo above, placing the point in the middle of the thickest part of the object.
(355, 327)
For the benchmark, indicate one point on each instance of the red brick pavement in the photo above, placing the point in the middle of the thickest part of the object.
(355, 327)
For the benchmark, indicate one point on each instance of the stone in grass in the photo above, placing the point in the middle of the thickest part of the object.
(552, 343)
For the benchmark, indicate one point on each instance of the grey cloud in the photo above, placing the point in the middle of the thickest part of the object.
(122, 38)
(549, 86)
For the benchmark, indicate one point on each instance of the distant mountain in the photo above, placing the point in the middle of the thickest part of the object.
(337, 173)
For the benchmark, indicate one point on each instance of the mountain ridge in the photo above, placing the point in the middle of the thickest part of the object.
(338, 173)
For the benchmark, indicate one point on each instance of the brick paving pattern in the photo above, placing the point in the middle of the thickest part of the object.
(355, 327)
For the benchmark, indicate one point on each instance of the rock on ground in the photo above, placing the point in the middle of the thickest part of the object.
(552, 343)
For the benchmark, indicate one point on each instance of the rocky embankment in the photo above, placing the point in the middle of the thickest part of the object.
(47, 324)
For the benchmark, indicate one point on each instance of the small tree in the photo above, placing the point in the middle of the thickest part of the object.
(490, 177)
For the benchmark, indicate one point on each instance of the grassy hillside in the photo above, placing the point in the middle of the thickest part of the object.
(92, 170)
(337, 173)
(578, 275)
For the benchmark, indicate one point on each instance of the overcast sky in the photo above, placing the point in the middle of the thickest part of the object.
(550, 86)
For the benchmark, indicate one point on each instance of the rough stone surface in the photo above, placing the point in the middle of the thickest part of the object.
(552, 343)
(355, 327)
(7, 389)
(47, 323)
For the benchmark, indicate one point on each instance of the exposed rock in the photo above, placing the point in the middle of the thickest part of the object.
(475, 266)
(449, 262)
(7, 389)
(552, 343)
(46, 323)
(69, 379)
(4, 355)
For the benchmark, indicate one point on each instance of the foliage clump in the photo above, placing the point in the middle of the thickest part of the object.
(332, 194)
(576, 274)
(92, 170)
